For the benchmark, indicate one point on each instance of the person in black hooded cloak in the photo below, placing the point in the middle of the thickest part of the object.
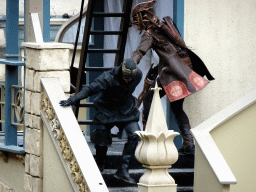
(115, 106)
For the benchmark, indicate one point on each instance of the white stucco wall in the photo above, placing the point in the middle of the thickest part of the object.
(12, 174)
(222, 33)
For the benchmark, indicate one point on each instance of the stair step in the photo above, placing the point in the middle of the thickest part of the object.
(98, 32)
(187, 189)
(103, 51)
(182, 177)
(113, 161)
(102, 14)
(123, 189)
(114, 154)
(88, 122)
(182, 171)
(135, 189)
(97, 68)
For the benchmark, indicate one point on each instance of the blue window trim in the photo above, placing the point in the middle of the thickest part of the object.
(11, 74)
(46, 21)
(178, 18)
(12, 148)
(12, 62)
(178, 15)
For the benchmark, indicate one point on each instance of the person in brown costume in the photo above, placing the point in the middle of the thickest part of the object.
(180, 71)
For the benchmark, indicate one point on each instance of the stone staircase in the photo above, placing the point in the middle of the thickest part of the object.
(182, 171)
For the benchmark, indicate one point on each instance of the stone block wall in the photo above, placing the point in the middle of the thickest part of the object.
(42, 60)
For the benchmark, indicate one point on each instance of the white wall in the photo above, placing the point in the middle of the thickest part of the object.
(222, 33)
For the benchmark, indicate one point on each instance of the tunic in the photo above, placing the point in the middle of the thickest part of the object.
(175, 69)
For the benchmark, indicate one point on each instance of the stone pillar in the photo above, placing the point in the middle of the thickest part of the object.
(156, 151)
(42, 60)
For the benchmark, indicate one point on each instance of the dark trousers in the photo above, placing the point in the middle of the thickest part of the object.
(177, 108)
(102, 139)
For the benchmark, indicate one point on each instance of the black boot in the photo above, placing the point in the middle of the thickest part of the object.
(188, 146)
(123, 174)
(101, 153)
(128, 152)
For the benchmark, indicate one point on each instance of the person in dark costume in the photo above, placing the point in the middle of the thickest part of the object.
(115, 106)
(180, 71)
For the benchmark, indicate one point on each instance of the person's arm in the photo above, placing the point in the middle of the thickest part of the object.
(99, 84)
(74, 99)
(146, 43)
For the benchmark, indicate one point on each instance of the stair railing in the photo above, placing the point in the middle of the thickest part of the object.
(207, 145)
(68, 139)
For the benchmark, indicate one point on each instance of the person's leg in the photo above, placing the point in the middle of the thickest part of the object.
(128, 152)
(101, 153)
(184, 126)
(101, 138)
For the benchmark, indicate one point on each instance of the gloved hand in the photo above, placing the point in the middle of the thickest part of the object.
(65, 103)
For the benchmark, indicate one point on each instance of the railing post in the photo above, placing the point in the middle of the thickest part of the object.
(156, 151)
(42, 60)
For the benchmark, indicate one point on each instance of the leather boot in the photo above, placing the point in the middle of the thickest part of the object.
(123, 174)
(128, 152)
(101, 153)
(188, 146)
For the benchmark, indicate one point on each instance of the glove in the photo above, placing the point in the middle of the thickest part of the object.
(65, 103)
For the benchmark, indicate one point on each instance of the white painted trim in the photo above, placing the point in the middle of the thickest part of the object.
(37, 27)
(53, 21)
(208, 146)
(47, 45)
(74, 136)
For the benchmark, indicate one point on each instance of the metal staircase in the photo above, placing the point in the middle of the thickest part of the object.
(88, 31)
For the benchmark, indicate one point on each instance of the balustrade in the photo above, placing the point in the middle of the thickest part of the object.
(68, 140)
